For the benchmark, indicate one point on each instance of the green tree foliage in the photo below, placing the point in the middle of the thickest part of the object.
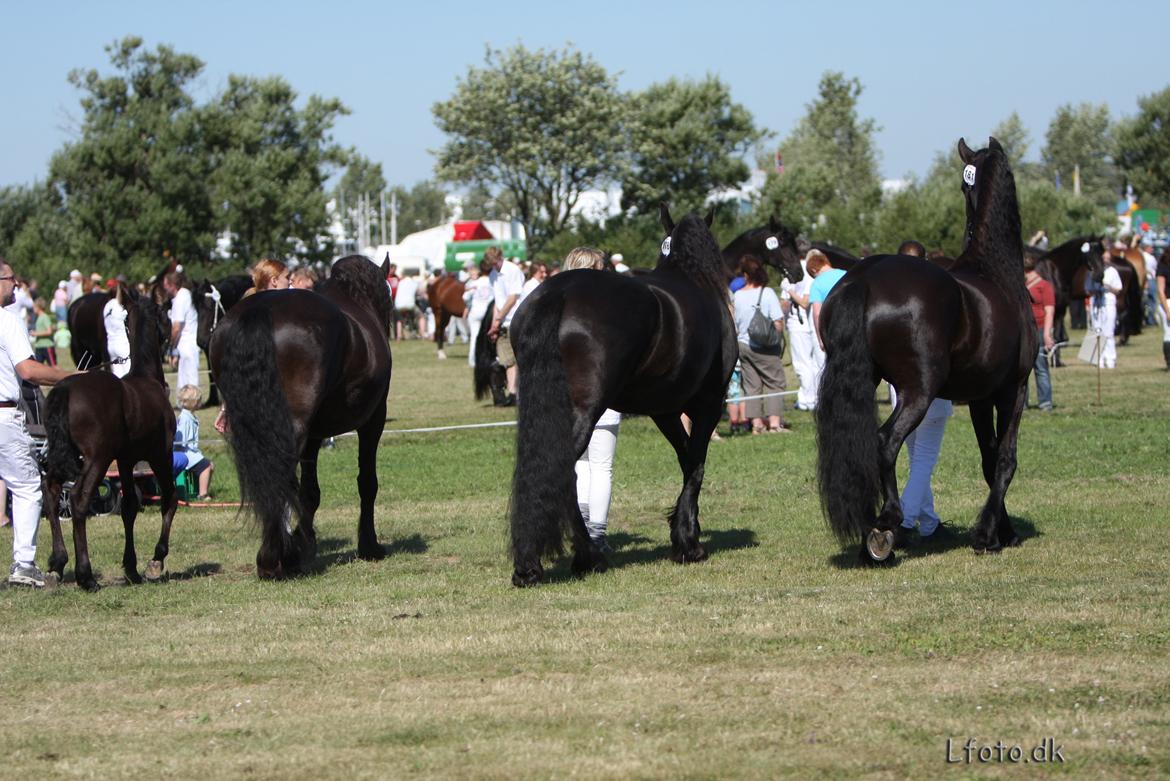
(830, 187)
(362, 177)
(134, 182)
(1082, 136)
(422, 206)
(688, 139)
(542, 126)
(1015, 140)
(34, 231)
(480, 203)
(1143, 144)
(270, 161)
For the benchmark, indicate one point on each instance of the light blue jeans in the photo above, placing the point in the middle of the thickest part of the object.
(923, 446)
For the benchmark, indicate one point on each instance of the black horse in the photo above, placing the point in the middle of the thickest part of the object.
(213, 300)
(658, 344)
(95, 418)
(965, 335)
(1066, 267)
(296, 367)
(773, 243)
(87, 327)
(838, 258)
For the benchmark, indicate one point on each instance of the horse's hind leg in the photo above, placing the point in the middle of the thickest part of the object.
(442, 318)
(129, 513)
(692, 455)
(368, 436)
(60, 555)
(305, 536)
(80, 499)
(163, 471)
(878, 543)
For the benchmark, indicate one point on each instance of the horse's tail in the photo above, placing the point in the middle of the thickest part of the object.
(485, 355)
(63, 460)
(259, 422)
(847, 429)
(543, 485)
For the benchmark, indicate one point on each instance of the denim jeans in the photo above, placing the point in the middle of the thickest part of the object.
(1043, 379)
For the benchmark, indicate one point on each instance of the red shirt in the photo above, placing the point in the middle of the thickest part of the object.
(1042, 295)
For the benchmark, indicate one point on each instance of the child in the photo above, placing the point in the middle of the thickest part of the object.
(187, 440)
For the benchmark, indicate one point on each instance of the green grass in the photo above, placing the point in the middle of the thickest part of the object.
(776, 657)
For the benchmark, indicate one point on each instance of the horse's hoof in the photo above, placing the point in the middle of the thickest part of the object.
(1014, 542)
(692, 556)
(374, 552)
(153, 571)
(879, 544)
(979, 551)
(589, 561)
(90, 585)
(133, 578)
(532, 577)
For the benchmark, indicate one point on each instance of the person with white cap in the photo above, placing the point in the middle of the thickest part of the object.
(74, 286)
(18, 468)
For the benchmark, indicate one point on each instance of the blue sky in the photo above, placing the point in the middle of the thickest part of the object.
(932, 71)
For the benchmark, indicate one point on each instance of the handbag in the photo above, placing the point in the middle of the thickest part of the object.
(762, 333)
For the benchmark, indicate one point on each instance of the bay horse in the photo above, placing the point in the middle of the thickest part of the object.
(296, 367)
(659, 344)
(213, 300)
(445, 295)
(94, 419)
(964, 335)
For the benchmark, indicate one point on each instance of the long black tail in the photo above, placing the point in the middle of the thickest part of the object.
(543, 486)
(63, 461)
(847, 429)
(260, 425)
(485, 355)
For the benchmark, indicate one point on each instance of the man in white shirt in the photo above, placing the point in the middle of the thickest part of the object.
(17, 467)
(1104, 313)
(508, 284)
(184, 327)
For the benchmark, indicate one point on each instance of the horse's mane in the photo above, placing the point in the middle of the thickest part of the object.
(694, 252)
(361, 279)
(146, 348)
(996, 249)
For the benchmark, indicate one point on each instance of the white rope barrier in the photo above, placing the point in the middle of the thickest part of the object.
(498, 424)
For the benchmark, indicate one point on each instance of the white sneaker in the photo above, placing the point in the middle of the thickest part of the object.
(26, 575)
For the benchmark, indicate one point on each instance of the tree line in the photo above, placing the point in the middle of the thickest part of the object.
(151, 174)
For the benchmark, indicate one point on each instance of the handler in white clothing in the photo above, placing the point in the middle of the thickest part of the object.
(184, 327)
(808, 359)
(18, 468)
(1104, 314)
(117, 339)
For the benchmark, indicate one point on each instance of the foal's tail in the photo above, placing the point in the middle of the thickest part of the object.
(543, 485)
(63, 460)
(260, 426)
(485, 355)
(847, 429)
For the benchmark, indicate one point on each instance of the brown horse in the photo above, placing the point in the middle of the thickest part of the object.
(94, 419)
(445, 295)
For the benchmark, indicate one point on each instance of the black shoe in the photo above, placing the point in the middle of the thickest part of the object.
(906, 538)
(942, 532)
(509, 400)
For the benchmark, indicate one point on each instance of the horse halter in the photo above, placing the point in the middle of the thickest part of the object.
(215, 296)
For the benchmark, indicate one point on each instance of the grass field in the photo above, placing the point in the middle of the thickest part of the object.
(777, 657)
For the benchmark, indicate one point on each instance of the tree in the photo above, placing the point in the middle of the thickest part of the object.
(134, 183)
(480, 203)
(1014, 138)
(1080, 138)
(362, 177)
(542, 126)
(422, 206)
(271, 161)
(830, 187)
(1143, 144)
(687, 139)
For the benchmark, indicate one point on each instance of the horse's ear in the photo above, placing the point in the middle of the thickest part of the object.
(992, 143)
(664, 217)
(965, 153)
(386, 267)
(773, 224)
(710, 218)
